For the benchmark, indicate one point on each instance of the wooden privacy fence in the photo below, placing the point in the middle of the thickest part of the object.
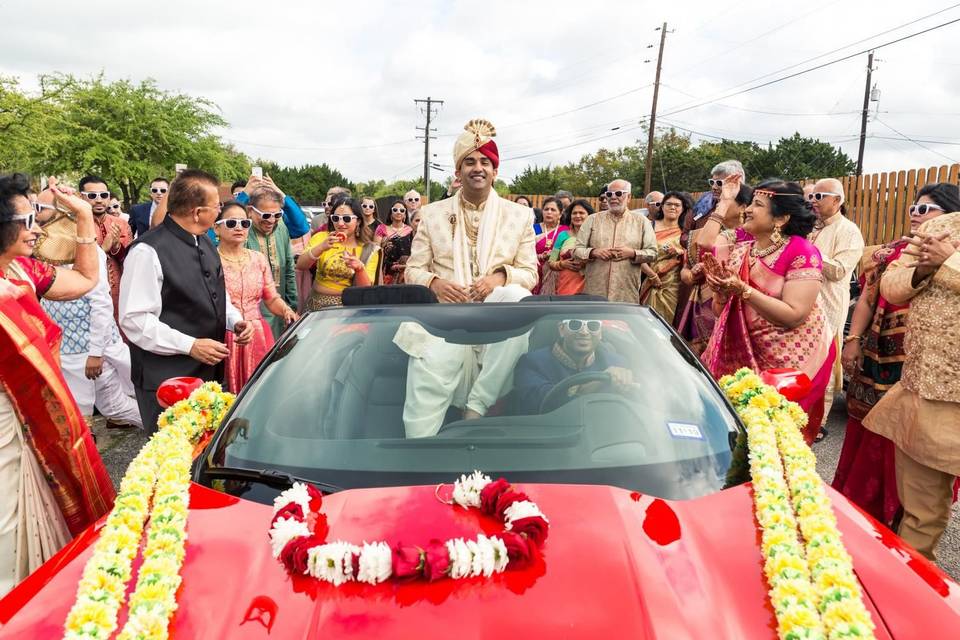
(877, 202)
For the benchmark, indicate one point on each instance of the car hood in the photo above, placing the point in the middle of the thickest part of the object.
(616, 564)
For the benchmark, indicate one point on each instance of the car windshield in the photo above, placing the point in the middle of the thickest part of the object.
(585, 393)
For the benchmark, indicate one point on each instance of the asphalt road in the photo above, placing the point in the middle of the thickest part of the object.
(119, 446)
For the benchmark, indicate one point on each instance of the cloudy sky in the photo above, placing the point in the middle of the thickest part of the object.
(310, 82)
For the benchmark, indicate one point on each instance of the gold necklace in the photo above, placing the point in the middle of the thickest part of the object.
(763, 253)
(240, 260)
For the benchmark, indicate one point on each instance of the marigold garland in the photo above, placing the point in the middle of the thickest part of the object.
(155, 487)
(813, 589)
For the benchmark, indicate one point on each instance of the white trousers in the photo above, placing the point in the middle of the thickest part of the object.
(112, 393)
(441, 374)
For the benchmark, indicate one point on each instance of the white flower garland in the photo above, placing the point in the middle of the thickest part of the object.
(341, 562)
(155, 486)
(813, 589)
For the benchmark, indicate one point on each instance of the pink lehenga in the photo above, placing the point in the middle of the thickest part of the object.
(743, 338)
(249, 283)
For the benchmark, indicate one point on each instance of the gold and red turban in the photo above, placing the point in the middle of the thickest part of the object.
(477, 136)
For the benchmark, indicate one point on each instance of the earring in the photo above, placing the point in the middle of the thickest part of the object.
(776, 237)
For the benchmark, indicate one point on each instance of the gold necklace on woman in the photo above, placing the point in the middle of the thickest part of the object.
(763, 253)
(241, 260)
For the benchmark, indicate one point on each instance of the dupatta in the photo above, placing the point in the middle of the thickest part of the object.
(730, 347)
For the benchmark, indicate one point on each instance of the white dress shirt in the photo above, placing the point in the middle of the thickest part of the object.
(103, 329)
(141, 305)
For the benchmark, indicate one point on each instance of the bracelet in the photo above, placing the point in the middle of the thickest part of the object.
(851, 338)
(715, 217)
(82, 240)
(746, 293)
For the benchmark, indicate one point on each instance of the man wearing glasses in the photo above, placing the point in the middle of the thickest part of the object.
(413, 201)
(270, 236)
(653, 200)
(841, 248)
(113, 234)
(575, 351)
(174, 306)
(141, 214)
(614, 243)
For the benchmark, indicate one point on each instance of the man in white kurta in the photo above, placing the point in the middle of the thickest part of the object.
(94, 359)
(473, 247)
(841, 248)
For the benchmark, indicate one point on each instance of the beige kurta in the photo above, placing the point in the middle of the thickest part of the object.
(921, 414)
(617, 281)
(512, 245)
(841, 247)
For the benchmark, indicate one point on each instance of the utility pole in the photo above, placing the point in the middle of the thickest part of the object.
(430, 102)
(648, 177)
(866, 113)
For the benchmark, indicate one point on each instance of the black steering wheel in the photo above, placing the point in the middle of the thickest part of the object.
(558, 396)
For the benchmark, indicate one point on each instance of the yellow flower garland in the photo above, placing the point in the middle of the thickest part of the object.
(813, 589)
(155, 486)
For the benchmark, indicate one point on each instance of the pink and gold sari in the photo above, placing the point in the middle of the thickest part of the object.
(743, 338)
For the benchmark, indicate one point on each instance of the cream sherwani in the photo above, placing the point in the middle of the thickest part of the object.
(841, 248)
(510, 245)
(441, 374)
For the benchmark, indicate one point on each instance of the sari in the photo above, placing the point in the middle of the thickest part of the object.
(249, 282)
(693, 316)
(743, 338)
(564, 282)
(663, 299)
(396, 251)
(545, 243)
(52, 470)
(866, 472)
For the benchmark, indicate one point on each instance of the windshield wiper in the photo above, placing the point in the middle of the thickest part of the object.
(270, 477)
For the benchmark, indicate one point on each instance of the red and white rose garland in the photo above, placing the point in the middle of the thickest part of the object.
(298, 532)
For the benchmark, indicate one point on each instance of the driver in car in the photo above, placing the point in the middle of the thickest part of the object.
(574, 352)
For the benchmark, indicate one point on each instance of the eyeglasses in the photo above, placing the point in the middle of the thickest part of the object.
(616, 194)
(577, 326)
(158, 190)
(93, 195)
(672, 204)
(39, 207)
(231, 223)
(820, 195)
(715, 183)
(267, 215)
(923, 209)
(345, 218)
(398, 210)
(28, 219)
(368, 206)
(413, 199)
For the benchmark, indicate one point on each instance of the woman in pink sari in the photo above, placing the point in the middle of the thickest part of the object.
(766, 301)
(249, 282)
(547, 233)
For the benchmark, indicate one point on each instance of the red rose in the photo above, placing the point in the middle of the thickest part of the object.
(296, 554)
(518, 549)
(316, 498)
(491, 493)
(437, 561)
(317, 523)
(290, 511)
(507, 498)
(534, 527)
(407, 562)
(355, 561)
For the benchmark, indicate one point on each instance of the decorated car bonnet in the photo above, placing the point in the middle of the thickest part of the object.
(812, 587)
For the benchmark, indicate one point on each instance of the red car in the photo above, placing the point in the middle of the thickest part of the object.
(596, 410)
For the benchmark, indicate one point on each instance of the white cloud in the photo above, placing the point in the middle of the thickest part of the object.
(304, 82)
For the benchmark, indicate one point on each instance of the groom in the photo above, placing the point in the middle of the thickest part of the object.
(473, 247)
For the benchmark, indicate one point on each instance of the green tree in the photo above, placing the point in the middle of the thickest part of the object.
(536, 179)
(307, 184)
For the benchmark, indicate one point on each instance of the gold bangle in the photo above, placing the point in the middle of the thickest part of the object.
(746, 293)
(851, 338)
(82, 240)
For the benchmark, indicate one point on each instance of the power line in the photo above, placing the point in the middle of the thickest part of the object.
(814, 68)
(576, 144)
(761, 111)
(356, 148)
(909, 139)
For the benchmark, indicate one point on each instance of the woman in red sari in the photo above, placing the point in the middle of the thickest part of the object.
(873, 356)
(54, 482)
(766, 301)
(249, 282)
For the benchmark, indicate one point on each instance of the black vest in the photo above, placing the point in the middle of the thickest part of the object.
(194, 302)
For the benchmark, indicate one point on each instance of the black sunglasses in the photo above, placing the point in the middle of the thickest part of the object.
(231, 223)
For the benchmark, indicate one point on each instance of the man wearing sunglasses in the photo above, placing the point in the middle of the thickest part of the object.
(652, 200)
(174, 305)
(841, 248)
(113, 234)
(577, 350)
(269, 236)
(413, 201)
(140, 214)
(614, 243)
